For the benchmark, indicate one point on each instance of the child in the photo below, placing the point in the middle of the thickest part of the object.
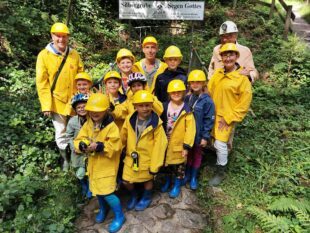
(146, 142)
(112, 81)
(125, 60)
(179, 124)
(173, 58)
(73, 128)
(100, 139)
(136, 82)
(203, 108)
(232, 95)
(83, 83)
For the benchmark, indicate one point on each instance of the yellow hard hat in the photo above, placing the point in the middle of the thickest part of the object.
(124, 53)
(83, 75)
(142, 96)
(112, 74)
(196, 75)
(149, 39)
(60, 28)
(173, 51)
(176, 85)
(229, 47)
(97, 102)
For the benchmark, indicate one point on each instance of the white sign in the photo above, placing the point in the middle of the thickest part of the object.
(161, 10)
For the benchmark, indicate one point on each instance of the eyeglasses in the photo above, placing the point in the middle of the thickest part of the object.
(228, 55)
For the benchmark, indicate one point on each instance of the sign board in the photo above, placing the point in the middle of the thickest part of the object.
(161, 10)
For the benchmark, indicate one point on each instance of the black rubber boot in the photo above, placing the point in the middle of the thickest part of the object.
(219, 175)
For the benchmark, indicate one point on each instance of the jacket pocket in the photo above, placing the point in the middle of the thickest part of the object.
(61, 96)
(178, 148)
(105, 172)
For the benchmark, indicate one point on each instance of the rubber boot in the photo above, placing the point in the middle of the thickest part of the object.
(176, 189)
(218, 176)
(103, 209)
(194, 182)
(165, 187)
(187, 176)
(145, 201)
(119, 217)
(132, 200)
(65, 165)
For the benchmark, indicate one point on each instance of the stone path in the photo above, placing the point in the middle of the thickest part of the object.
(181, 215)
(300, 26)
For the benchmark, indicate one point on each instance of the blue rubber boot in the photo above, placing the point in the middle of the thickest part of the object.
(194, 181)
(89, 194)
(164, 188)
(119, 217)
(176, 189)
(145, 201)
(103, 209)
(132, 200)
(187, 176)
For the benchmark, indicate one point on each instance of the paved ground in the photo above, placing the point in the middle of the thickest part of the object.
(300, 26)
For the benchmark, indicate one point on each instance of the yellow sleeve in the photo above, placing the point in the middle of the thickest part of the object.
(43, 84)
(159, 149)
(83, 134)
(121, 111)
(157, 106)
(124, 133)
(190, 130)
(112, 143)
(80, 66)
(241, 109)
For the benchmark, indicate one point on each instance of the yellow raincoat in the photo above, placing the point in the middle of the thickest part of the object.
(137, 67)
(46, 68)
(232, 96)
(127, 108)
(151, 147)
(103, 166)
(182, 135)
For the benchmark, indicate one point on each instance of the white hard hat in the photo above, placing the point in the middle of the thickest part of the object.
(228, 27)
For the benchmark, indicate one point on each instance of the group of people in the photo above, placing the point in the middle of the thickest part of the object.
(151, 117)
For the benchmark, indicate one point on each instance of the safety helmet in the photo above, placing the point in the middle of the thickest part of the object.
(60, 28)
(229, 47)
(228, 27)
(176, 85)
(78, 98)
(112, 74)
(196, 75)
(142, 96)
(173, 51)
(97, 102)
(134, 77)
(149, 39)
(124, 53)
(84, 76)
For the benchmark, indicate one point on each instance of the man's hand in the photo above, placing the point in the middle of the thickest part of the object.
(222, 124)
(47, 114)
(203, 143)
(245, 71)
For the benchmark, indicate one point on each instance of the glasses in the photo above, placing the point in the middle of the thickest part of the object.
(228, 55)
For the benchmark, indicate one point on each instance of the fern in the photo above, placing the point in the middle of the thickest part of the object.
(269, 222)
(285, 204)
(302, 217)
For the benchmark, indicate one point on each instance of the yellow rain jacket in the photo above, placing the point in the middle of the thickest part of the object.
(151, 147)
(232, 96)
(138, 67)
(122, 98)
(47, 65)
(102, 166)
(182, 135)
(127, 108)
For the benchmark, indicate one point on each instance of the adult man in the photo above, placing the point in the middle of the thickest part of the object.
(228, 34)
(150, 66)
(53, 100)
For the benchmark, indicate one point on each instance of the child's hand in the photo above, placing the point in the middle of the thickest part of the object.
(203, 143)
(47, 114)
(184, 153)
(91, 147)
